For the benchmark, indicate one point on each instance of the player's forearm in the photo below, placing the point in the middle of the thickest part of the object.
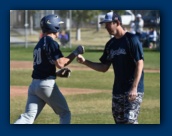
(75, 53)
(138, 72)
(62, 62)
(96, 66)
(70, 57)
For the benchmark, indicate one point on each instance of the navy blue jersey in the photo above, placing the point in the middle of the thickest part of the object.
(123, 54)
(45, 53)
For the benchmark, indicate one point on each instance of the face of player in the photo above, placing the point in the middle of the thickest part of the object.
(111, 28)
(57, 34)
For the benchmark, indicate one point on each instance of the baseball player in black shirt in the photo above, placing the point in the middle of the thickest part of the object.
(125, 53)
(43, 88)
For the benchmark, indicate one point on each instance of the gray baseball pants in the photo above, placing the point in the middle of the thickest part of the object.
(41, 92)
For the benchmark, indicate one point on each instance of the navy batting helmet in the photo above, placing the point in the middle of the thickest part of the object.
(50, 24)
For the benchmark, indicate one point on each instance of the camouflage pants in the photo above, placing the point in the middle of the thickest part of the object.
(124, 111)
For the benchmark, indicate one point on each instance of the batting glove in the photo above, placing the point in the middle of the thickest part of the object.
(79, 50)
(64, 72)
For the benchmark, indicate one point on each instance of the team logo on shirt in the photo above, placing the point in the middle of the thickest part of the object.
(119, 51)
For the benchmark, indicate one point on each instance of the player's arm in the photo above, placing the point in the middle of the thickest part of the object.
(94, 65)
(64, 61)
(137, 76)
(138, 73)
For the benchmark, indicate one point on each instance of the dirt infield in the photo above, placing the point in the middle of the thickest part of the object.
(22, 90)
(29, 64)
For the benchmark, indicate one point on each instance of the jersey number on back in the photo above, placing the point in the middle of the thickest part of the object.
(37, 56)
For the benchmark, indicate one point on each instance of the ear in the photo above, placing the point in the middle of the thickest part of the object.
(118, 22)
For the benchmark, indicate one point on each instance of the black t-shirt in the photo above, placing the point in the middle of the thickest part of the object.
(123, 54)
(45, 53)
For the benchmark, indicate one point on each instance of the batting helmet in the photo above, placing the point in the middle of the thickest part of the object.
(50, 24)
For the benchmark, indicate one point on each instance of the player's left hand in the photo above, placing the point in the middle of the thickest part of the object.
(64, 72)
(132, 94)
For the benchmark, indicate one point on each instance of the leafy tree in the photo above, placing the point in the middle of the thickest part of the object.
(79, 17)
(83, 16)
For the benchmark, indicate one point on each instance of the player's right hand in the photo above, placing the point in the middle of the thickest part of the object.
(80, 59)
(79, 50)
(64, 72)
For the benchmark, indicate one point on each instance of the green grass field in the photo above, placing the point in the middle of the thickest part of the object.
(151, 58)
(94, 108)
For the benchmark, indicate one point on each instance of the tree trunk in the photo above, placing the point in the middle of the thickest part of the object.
(31, 25)
(98, 25)
(78, 34)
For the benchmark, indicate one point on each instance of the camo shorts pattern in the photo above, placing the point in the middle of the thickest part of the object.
(124, 111)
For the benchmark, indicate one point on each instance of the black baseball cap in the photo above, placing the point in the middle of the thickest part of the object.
(110, 17)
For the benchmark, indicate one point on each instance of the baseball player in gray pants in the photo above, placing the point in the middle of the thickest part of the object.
(43, 88)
